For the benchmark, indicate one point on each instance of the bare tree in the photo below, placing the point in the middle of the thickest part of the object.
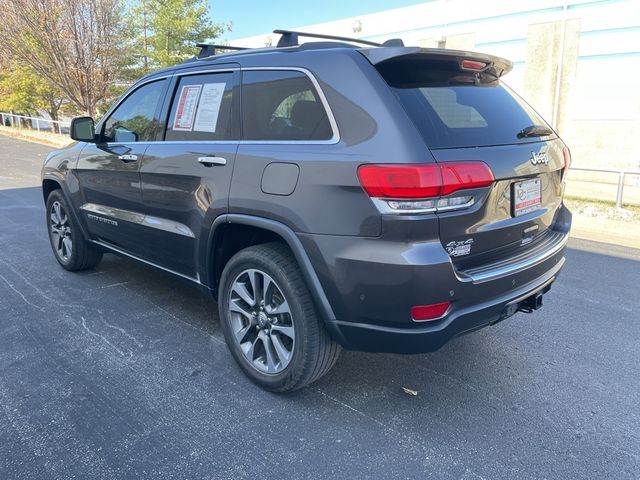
(77, 45)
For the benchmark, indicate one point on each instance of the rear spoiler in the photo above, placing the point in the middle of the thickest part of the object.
(496, 66)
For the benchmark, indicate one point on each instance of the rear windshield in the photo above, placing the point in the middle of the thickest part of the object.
(457, 109)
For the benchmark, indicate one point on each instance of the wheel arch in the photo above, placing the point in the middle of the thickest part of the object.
(50, 184)
(263, 230)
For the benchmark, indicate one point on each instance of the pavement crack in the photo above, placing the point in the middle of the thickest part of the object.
(74, 377)
(417, 445)
(10, 285)
(39, 290)
(101, 337)
(121, 330)
(353, 409)
(119, 284)
(166, 312)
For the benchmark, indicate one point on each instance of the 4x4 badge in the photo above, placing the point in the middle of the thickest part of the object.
(461, 247)
(539, 158)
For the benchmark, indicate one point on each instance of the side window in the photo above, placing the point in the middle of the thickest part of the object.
(282, 105)
(134, 119)
(203, 109)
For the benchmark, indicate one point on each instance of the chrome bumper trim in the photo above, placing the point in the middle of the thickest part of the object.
(529, 259)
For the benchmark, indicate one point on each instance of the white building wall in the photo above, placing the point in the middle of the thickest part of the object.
(604, 107)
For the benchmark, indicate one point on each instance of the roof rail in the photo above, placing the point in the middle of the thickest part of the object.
(208, 49)
(289, 38)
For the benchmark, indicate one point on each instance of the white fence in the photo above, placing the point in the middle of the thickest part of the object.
(622, 175)
(34, 123)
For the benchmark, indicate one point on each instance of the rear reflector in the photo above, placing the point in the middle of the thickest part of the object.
(423, 181)
(421, 313)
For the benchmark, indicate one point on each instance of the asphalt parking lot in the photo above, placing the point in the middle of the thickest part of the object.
(122, 372)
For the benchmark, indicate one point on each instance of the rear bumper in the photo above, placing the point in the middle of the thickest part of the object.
(374, 338)
(372, 284)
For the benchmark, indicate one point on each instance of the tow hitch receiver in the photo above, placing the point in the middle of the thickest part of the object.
(534, 302)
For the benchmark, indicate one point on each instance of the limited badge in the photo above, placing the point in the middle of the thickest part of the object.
(96, 218)
(459, 248)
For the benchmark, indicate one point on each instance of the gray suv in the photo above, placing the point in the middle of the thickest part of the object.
(328, 195)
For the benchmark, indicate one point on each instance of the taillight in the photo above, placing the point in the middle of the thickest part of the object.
(422, 313)
(425, 187)
(401, 181)
(462, 175)
(566, 154)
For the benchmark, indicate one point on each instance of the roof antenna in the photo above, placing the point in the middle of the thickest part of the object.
(393, 42)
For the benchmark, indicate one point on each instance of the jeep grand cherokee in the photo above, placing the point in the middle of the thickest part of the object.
(328, 195)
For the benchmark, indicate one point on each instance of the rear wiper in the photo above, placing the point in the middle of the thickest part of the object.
(535, 131)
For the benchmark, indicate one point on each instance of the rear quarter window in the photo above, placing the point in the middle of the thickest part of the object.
(282, 105)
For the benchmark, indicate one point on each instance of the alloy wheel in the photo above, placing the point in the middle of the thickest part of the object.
(60, 231)
(261, 321)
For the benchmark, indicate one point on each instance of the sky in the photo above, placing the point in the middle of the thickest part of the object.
(254, 17)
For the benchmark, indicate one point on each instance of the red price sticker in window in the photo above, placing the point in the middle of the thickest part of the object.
(186, 111)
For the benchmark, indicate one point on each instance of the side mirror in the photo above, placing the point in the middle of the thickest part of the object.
(83, 129)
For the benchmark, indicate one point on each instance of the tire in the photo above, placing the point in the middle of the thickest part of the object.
(288, 323)
(70, 248)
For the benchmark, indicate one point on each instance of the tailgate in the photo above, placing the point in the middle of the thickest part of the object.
(515, 213)
(464, 112)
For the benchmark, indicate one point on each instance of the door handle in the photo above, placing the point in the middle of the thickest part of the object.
(211, 161)
(128, 158)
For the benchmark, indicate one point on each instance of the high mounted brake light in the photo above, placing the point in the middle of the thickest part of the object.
(423, 181)
(472, 65)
